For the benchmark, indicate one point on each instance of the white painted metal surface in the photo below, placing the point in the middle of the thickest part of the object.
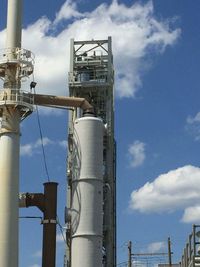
(87, 193)
(14, 18)
(9, 143)
(9, 188)
(99, 91)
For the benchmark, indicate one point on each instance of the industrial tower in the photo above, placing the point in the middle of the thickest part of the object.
(91, 77)
(16, 64)
(91, 194)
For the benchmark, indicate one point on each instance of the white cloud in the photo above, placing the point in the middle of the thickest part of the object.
(135, 31)
(156, 247)
(137, 153)
(29, 149)
(176, 190)
(26, 149)
(193, 125)
(38, 254)
(191, 215)
(34, 265)
(46, 111)
(67, 11)
(59, 238)
(63, 143)
(196, 118)
(45, 141)
(32, 148)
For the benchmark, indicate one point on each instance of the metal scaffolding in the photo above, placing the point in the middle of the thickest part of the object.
(91, 77)
(191, 252)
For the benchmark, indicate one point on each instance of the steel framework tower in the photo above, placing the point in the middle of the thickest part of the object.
(91, 76)
(191, 251)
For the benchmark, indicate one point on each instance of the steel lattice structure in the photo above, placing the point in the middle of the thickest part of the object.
(91, 76)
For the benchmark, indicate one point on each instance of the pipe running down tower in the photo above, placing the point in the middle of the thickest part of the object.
(15, 105)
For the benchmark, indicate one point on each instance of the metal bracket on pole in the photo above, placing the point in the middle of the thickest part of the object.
(49, 221)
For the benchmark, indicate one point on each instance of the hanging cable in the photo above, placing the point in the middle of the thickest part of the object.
(42, 142)
(33, 84)
(61, 229)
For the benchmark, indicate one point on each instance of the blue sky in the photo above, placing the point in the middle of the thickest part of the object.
(157, 120)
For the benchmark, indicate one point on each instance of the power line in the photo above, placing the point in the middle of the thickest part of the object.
(30, 217)
(61, 230)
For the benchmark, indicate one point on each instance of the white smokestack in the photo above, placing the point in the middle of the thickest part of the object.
(87, 193)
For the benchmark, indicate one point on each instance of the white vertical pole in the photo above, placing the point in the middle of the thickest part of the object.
(13, 37)
(9, 188)
(9, 146)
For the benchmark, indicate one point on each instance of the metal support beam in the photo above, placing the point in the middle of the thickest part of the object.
(169, 251)
(129, 254)
(49, 225)
(47, 203)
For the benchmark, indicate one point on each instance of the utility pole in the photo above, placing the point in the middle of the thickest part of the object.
(129, 254)
(169, 251)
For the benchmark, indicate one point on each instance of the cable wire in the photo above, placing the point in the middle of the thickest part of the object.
(42, 142)
(45, 162)
(61, 230)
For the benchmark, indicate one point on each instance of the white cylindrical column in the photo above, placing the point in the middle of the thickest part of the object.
(9, 187)
(87, 193)
(14, 18)
(9, 144)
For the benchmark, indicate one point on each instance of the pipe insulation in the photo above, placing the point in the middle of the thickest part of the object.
(61, 101)
(87, 193)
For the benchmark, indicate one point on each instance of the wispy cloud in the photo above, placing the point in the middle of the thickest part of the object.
(135, 31)
(156, 247)
(67, 11)
(137, 153)
(38, 254)
(46, 111)
(63, 143)
(59, 238)
(193, 125)
(32, 148)
(176, 190)
(191, 214)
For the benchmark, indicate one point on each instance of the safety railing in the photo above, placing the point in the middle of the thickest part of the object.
(91, 76)
(24, 59)
(191, 252)
(16, 97)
